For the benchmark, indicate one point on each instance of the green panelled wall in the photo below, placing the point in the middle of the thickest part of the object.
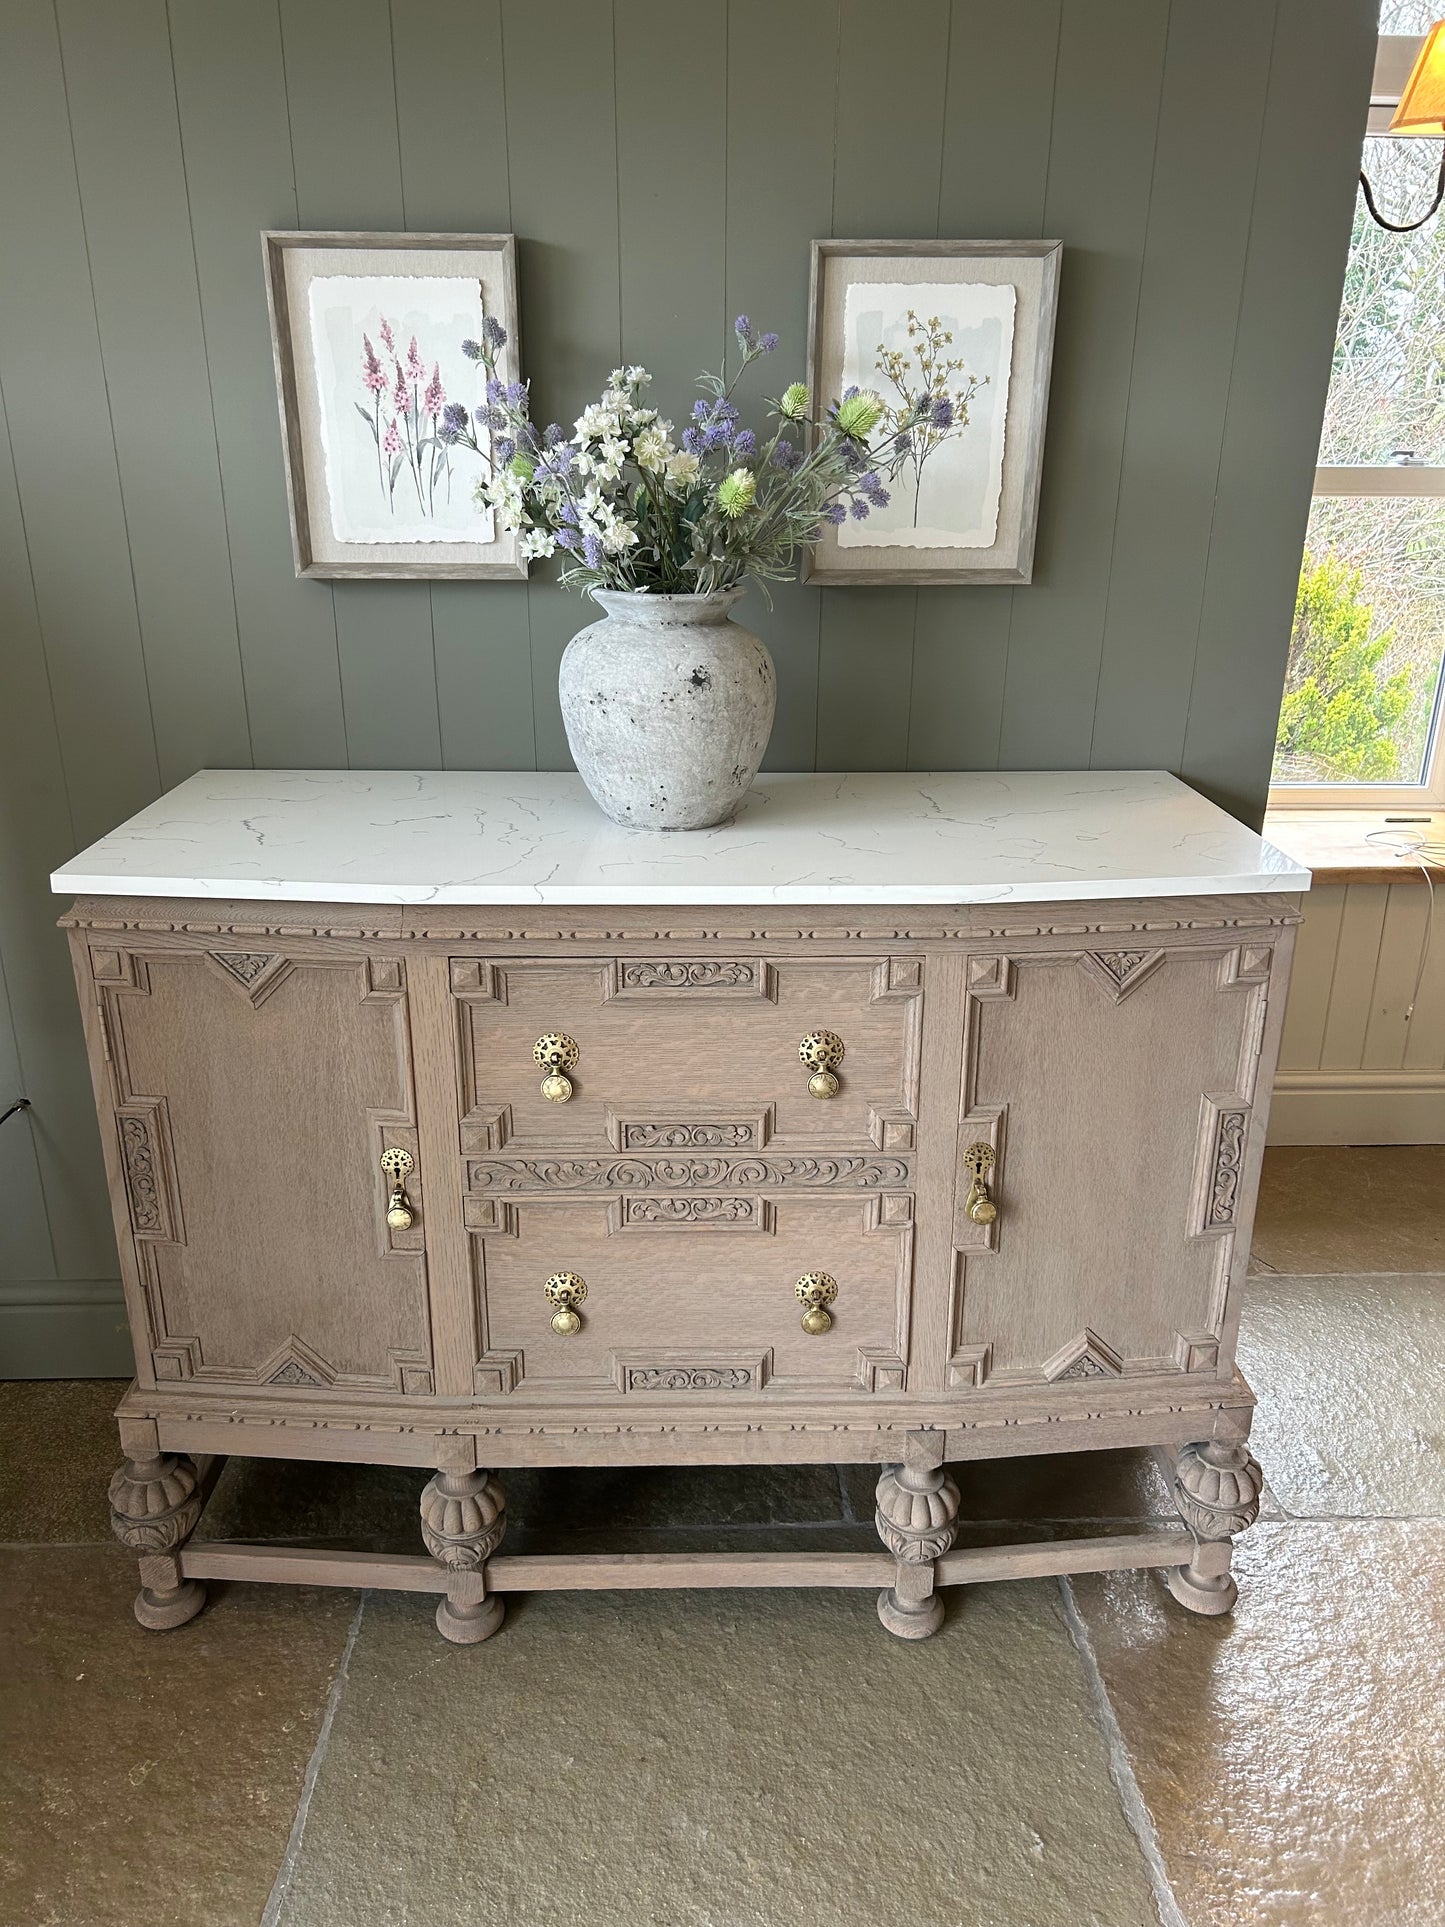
(663, 164)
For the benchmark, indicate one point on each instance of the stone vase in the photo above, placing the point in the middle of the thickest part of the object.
(668, 705)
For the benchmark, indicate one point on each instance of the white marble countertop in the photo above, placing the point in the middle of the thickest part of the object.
(466, 837)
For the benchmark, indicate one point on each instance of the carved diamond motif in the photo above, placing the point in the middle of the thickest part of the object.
(292, 1373)
(244, 965)
(1085, 1356)
(1120, 971)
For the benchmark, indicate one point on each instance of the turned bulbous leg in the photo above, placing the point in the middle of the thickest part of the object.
(917, 1518)
(154, 1506)
(1217, 1484)
(463, 1518)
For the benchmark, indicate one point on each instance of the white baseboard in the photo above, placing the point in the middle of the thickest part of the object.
(1358, 1107)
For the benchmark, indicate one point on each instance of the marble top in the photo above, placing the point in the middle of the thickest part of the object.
(469, 837)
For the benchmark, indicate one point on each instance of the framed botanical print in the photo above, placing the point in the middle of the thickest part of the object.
(378, 375)
(956, 338)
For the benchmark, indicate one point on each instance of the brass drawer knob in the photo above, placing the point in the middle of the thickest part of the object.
(396, 1163)
(979, 1158)
(821, 1052)
(556, 1054)
(565, 1291)
(816, 1291)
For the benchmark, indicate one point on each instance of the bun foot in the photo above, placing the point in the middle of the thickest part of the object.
(1207, 1593)
(470, 1624)
(162, 1612)
(907, 1621)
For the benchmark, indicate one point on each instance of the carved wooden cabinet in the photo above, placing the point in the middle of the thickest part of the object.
(475, 1187)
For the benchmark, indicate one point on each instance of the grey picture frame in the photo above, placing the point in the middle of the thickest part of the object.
(827, 564)
(493, 561)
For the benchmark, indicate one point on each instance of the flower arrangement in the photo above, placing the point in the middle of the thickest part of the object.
(630, 507)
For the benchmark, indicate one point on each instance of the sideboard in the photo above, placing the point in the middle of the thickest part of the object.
(913, 1121)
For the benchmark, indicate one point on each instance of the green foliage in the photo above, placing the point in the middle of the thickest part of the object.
(1340, 709)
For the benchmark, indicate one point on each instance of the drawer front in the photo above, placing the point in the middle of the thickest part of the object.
(1115, 1090)
(692, 1293)
(249, 1094)
(689, 1051)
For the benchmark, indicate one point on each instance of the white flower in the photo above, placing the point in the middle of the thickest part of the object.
(536, 542)
(653, 449)
(596, 421)
(681, 470)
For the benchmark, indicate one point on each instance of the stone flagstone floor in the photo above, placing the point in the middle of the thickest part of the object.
(1074, 1754)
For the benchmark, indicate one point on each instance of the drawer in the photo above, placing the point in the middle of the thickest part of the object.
(687, 1051)
(692, 1294)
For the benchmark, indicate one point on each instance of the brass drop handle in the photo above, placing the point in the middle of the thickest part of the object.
(396, 1163)
(565, 1292)
(816, 1291)
(556, 1054)
(980, 1207)
(821, 1052)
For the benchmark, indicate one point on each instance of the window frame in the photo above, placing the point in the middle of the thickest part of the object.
(1394, 57)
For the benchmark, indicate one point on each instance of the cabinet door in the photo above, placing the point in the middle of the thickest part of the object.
(251, 1097)
(1115, 1089)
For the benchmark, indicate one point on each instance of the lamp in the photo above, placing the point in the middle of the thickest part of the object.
(1421, 112)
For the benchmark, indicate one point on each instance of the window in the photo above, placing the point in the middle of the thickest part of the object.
(1361, 722)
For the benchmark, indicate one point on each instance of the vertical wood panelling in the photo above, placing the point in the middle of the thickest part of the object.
(782, 81)
(1425, 1043)
(663, 166)
(562, 138)
(1407, 913)
(994, 175)
(1216, 69)
(231, 93)
(59, 412)
(1299, 234)
(1311, 976)
(1106, 111)
(341, 106)
(121, 91)
(865, 673)
(53, 1153)
(1357, 954)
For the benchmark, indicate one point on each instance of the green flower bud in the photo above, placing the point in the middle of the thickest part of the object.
(522, 466)
(859, 415)
(794, 404)
(736, 493)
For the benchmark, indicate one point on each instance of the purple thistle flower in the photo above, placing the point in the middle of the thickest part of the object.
(858, 509)
(388, 339)
(715, 436)
(592, 551)
(743, 329)
(724, 412)
(568, 515)
(496, 390)
(701, 410)
(506, 448)
(785, 457)
(493, 333)
(516, 393)
(904, 444)
(553, 434)
(569, 539)
(834, 512)
(472, 350)
(873, 488)
(372, 373)
(768, 343)
(745, 443)
(455, 415)
(692, 441)
(942, 412)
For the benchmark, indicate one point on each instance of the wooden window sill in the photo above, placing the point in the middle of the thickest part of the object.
(1334, 843)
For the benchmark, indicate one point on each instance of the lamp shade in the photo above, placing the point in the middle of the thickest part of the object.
(1422, 104)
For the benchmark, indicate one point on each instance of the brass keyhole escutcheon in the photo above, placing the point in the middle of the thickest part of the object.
(816, 1290)
(980, 1207)
(396, 1163)
(556, 1054)
(821, 1052)
(565, 1292)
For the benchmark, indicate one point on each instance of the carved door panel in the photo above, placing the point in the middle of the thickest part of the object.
(1115, 1091)
(692, 1293)
(687, 1052)
(253, 1095)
